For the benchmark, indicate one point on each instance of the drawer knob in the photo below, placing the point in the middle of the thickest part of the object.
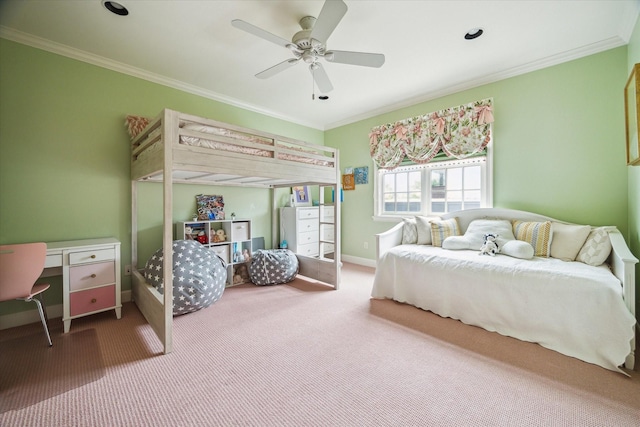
(93, 276)
(93, 256)
(93, 300)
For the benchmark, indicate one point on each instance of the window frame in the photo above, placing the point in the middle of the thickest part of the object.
(486, 177)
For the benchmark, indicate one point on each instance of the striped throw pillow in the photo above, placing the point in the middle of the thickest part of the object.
(441, 229)
(538, 234)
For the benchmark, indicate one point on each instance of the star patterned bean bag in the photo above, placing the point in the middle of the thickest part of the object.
(199, 276)
(273, 266)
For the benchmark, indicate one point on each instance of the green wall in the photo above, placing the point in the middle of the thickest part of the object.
(633, 238)
(64, 155)
(64, 152)
(558, 146)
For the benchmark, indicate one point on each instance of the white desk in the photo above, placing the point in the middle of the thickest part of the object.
(90, 272)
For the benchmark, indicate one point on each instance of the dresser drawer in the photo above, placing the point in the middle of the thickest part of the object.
(308, 213)
(308, 237)
(85, 257)
(92, 300)
(91, 275)
(308, 225)
(308, 250)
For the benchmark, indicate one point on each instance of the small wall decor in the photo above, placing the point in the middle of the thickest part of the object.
(348, 182)
(361, 175)
(210, 207)
(632, 116)
(301, 195)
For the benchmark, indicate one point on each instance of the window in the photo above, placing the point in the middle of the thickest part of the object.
(434, 188)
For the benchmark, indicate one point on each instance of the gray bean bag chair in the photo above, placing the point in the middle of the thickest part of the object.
(273, 266)
(199, 276)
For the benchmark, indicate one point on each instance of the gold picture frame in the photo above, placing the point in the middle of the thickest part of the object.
(632, 116)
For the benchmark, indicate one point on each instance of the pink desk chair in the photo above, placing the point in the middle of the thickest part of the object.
(20, 267)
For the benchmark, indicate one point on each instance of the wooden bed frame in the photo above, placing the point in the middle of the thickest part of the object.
(621, 260)
(159, 156)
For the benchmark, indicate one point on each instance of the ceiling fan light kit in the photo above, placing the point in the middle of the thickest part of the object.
(309, 44)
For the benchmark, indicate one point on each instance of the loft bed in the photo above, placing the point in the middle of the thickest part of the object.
(181, 148)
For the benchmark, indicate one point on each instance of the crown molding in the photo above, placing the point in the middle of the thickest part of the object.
(80, 55)
(546, 62)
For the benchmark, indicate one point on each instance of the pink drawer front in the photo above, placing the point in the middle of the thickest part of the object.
(92, 300)
(91, 275)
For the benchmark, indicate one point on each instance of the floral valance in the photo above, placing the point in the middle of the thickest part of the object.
(458, 131)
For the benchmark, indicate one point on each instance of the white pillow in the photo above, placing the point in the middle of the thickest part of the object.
(597, 248)
(567, 240)
(455, 243)
(424, 230)
(479, 227)
(517, 249)
(409, 231)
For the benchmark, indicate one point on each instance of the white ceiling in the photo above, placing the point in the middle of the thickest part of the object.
(192, 46)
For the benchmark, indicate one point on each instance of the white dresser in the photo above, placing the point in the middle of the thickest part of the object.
(306, 231)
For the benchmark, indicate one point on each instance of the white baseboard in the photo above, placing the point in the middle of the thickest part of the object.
(32, 316)
(360, 261)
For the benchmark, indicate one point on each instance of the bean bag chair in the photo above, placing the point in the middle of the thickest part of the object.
(273, 266)
(199, 276)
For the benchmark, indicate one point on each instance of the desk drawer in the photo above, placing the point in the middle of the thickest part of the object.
(85, 257)
(91, 275)
(92, 300)
(54, 260)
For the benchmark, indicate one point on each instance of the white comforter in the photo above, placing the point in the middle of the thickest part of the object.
(570, 307)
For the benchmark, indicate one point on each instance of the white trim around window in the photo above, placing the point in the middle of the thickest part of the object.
(414, 190)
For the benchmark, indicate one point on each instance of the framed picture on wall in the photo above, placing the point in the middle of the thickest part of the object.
(632, 116)
(301, 195)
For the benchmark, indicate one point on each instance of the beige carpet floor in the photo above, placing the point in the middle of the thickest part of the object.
(301, 354)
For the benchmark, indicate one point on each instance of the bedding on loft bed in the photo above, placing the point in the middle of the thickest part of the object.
(209, 135)
(177, 147)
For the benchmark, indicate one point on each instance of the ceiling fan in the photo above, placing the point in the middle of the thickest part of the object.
(310, 44)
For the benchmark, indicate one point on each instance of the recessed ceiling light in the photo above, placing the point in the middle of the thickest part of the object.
(473, 33)
(115, 7)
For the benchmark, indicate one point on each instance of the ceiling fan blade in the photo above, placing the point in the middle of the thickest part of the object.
(269, 72)
(355, 58)
(330, 15)
(320, 77)
(263, 34)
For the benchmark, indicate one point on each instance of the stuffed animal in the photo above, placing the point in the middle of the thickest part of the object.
(246, 255)
(490, 246)
(221, 235)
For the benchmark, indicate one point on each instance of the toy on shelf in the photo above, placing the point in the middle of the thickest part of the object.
(246, 256)
(202, 238)
(220, 236)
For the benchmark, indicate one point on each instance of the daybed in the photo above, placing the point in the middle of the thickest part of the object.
(181, 148)
(580, 310)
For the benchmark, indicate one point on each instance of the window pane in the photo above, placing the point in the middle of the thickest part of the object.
(472, 177)
(454, 179)
(415, 181)
(389, 182)
(472, 196)
(401, 181)
(454, 196)
(437, 178)
(415, 204)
